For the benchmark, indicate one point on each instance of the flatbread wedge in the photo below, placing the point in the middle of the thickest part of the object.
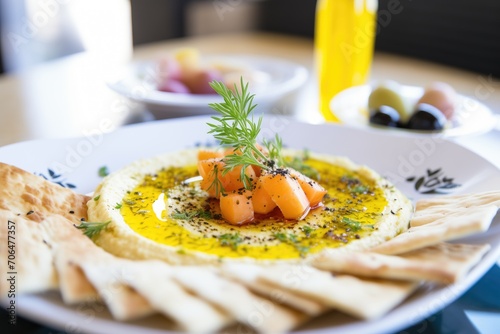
(262, 314)
(451, 225)
(444, 204)
(29, 195)
(127, 287)
(191, 313)
(361, 298)
(248, 275)
(443, 263)
(98, 267)
(30, 262)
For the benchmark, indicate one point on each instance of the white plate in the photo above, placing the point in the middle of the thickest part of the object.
(138, 82)
(404, 159)
(472, 117)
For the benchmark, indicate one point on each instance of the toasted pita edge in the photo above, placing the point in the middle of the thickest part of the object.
(443, 263)
(449, 227)
(27, 257)
(358, 297)
(34, 197)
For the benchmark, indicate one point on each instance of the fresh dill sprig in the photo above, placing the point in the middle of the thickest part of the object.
(92, 229)
(216, 184)
(274, 148)
(236, 128)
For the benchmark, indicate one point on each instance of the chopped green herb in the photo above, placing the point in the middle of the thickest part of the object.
(204, 214)
(97, 198)
(360, 189)
(352, 224)
(92, 229)
(230, 240)
(103, 171)
(118, 206)
(303, 250)
(299, 165)
(183, 215)
(190, 215)
(281, 237)
(307, 230)
(292, 240)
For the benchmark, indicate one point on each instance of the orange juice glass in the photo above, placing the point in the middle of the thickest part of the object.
(344, 41)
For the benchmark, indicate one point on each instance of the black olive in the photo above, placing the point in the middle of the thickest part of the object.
(426, 117)
(385, 115)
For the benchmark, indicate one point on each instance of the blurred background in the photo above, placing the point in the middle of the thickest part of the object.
(464, 34)
(459, 33)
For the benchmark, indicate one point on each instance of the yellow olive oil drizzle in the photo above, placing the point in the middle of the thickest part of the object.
(351, 210)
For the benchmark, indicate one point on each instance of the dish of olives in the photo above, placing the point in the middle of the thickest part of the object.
(390, 106)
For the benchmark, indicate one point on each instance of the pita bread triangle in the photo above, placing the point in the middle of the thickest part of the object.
(443, 263)
(438, 220)
(34, 198)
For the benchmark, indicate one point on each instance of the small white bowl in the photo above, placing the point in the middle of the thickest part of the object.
(471, 116)
(138, 83)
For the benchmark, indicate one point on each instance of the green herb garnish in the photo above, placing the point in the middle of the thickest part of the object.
(292, 240)
(190, 215)
(281, 237)
(103, 171)
(92, 229)
(298, 164)
(217, 184)
(182, 215)
(352, 224)
(307, 230)
(360, 189)
(118, 206)
(97, 198)
(231, 240)
(236, 128)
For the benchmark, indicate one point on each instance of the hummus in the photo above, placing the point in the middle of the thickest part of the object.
(153, 214)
